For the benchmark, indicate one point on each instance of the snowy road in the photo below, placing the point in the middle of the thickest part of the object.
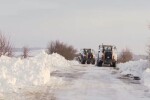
(52, 77)
(86, 82)
(97, 83)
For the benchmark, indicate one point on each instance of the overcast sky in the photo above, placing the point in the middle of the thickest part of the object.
(81, 23)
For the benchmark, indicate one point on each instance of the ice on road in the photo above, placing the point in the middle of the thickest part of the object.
(100, 83)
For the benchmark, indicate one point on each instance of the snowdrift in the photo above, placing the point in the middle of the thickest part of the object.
(19, 73)
(134, 68)
(146, 77)
(138, 68)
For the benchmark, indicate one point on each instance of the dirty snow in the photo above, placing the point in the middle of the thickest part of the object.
(101, 83)
(135, 68)
(138, 68)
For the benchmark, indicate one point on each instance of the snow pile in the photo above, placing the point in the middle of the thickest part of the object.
(19, 73)
(146, 77)
(135, 68)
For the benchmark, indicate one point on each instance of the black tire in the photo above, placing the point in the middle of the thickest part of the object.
(83, 62)
(88, 61)
(83, 59)
(100, 63)
(93, 61)
(114, 64)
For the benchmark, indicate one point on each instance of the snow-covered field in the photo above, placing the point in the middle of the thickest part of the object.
(43, 73)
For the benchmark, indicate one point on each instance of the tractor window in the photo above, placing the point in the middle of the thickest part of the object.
(83, 51)
(89, 50)
(108, 48)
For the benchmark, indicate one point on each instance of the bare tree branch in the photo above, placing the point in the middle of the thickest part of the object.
(25, 52)
(125, 56)
(5, 46)
(63, 49)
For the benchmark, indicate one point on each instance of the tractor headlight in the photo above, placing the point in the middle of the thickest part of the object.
(94, 56)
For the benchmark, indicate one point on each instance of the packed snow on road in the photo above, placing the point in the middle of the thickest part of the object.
(52, 77)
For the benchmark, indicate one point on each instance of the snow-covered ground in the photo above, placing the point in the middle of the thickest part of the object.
(52, 77)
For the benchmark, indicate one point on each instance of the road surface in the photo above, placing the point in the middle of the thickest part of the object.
(101, 83)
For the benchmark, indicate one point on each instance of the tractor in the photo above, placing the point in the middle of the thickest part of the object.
(86, 56)
(107, 54)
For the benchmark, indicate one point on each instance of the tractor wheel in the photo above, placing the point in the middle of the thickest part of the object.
(83, 62)
(88, 61)
(114, 64)
(93, 61)
(99, 63)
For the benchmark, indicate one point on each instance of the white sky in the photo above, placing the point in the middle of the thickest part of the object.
(81, 23)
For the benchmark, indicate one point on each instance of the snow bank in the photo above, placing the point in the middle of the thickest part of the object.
(146, 77)
(19, 73)
(134, 68)
(137, 68)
